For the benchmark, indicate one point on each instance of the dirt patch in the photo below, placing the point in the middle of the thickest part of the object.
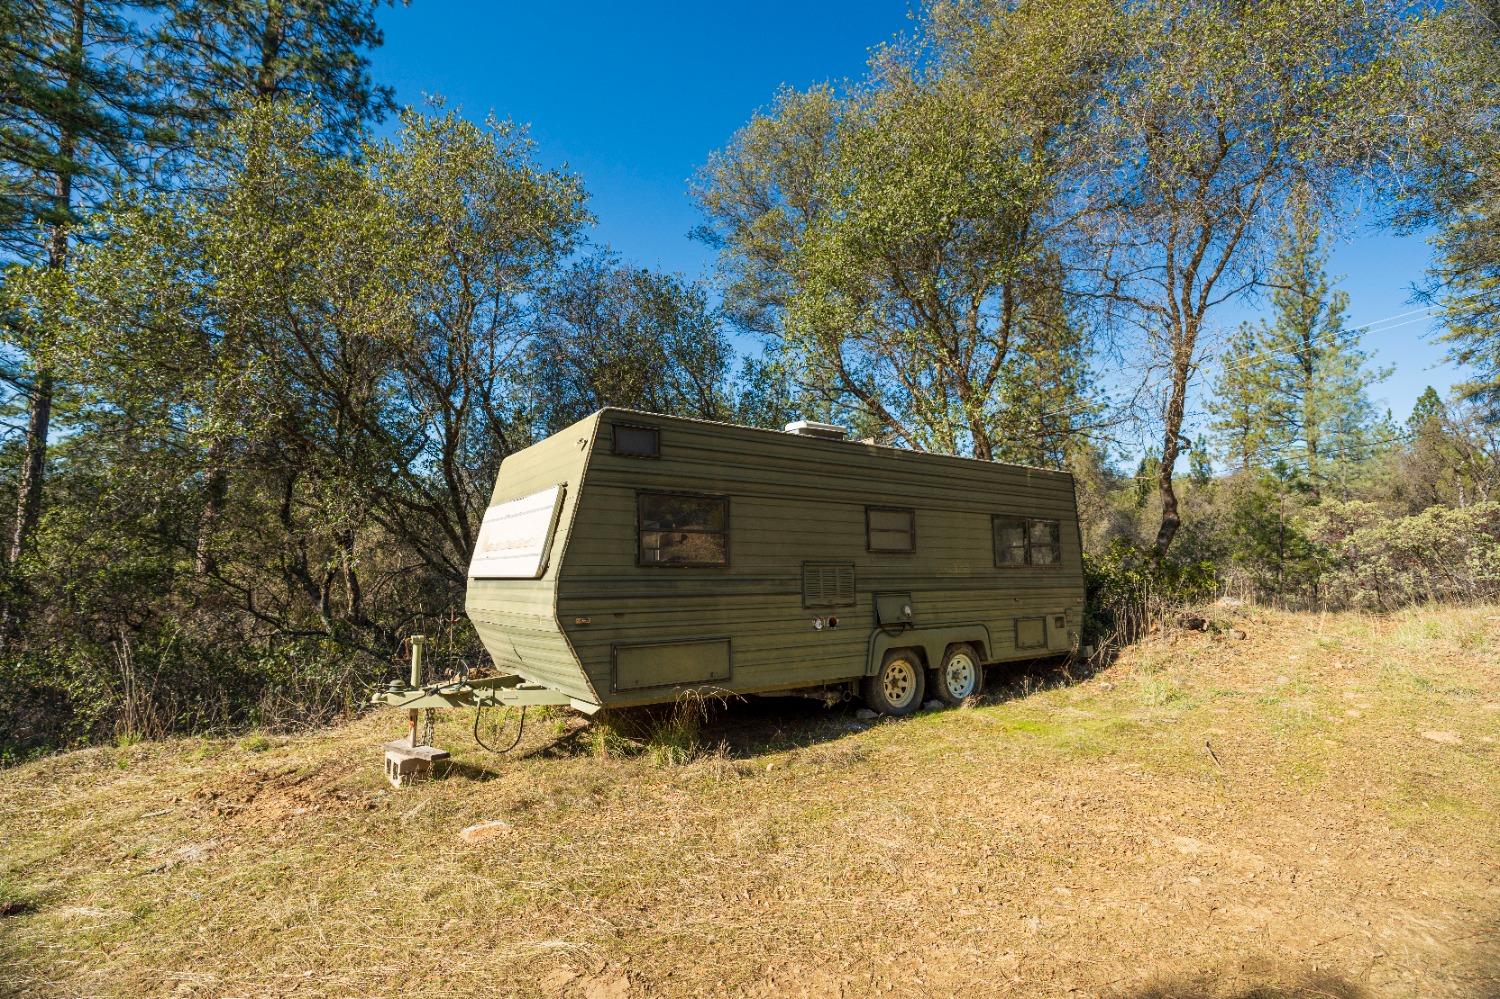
(270, 798)
(16, 906)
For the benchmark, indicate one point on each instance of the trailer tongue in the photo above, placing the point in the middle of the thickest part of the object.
(411, 759)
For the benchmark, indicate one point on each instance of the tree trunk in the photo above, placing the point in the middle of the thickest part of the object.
(1171, 447)
(33, 465)
(1310, 415)
(39, 418)
(213, 509)
(353, 591)
(267, 79)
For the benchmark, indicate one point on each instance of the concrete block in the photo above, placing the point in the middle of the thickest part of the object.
(406, 764)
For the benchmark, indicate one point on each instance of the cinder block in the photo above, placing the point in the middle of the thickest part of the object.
(405, 764)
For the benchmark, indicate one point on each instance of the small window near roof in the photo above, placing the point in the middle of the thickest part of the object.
(1024, 541)
(637, 442)
(682, 530)
(890, 529)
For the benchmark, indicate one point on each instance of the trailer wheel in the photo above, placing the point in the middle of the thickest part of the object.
(959, 677)
(897, 688)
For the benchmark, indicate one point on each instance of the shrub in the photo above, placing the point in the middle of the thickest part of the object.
(1127, 588)
(1441, 554)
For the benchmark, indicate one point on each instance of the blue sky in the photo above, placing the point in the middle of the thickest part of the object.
(634, 97)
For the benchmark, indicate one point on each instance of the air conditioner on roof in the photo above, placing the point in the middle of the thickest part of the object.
(823, 431)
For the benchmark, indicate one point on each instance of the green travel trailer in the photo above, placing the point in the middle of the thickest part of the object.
(633, 556)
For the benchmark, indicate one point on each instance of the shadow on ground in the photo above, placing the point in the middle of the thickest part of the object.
(1310, 987)
(745, 727)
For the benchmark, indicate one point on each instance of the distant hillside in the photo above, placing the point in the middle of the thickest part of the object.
(1313, 810)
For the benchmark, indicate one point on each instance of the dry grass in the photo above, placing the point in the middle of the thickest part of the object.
(1053, 840)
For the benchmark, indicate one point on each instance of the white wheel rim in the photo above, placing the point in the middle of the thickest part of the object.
(959, 676)
(900, 683)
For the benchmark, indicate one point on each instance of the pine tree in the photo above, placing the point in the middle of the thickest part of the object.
(221, 54)
(74, 120)
(1428, 412)
(1239, 402)
(1454, 192)
(1294, 390)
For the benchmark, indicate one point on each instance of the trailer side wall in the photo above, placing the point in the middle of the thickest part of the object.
(791, 501)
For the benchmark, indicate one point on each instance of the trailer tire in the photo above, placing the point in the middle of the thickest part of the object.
(959, 677)
(897, 687)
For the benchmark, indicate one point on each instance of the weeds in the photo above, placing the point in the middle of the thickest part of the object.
(256, 743)
(14, 901)
(667, 735)
(1160, 691)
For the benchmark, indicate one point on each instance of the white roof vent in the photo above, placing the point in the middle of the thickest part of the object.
(822, 431)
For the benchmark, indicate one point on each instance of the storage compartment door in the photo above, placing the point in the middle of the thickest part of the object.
(671, 664)
(1031, 633)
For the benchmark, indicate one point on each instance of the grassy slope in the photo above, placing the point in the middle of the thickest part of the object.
(1073, 840)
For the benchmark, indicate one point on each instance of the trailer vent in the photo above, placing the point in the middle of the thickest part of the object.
(822, 431)
(827, 584)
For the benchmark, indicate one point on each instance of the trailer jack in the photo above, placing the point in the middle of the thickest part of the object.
(411, 759)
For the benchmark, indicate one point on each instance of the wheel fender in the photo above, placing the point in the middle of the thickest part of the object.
(933, 643)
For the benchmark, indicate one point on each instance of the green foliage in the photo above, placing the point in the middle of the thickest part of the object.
(1271, 557)
(1451, 94)
(295, 380)
(1451, 457)
(1294, 391)
(216, 55)
(1380, 563)
(766, 396)
(893, 242)
(1128, 588)
(1427, 412)
(614, 335)
(75, 113)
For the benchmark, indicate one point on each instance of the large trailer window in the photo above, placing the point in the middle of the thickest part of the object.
(682, 530)
(516, 536)
(890, 529)
(1024, 541)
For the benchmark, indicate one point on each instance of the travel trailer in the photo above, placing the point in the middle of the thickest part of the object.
(632, 557)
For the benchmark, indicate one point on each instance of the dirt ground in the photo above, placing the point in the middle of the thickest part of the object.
(1313, 810)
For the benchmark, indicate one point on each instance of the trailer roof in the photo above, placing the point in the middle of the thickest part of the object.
(824, 442)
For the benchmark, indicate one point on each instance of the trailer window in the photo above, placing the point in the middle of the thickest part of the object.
(682, 530)
(1010, 542)
(1024, 541)
(637, 442)
(890, 529)
(1042, 546)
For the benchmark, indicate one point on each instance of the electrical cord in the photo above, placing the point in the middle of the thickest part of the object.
(520, 727)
